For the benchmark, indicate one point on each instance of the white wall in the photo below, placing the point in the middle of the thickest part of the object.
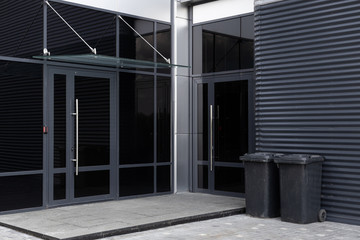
(221, 9)
(154, 9)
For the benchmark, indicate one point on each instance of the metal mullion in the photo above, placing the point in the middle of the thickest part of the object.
(136, 165)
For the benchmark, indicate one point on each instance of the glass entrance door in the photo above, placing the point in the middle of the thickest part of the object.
(222, 135)
(82, 152)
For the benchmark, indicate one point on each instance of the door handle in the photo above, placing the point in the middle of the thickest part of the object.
(211, 137)
(76, 114)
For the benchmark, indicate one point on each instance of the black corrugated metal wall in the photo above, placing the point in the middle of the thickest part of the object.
(308, 92)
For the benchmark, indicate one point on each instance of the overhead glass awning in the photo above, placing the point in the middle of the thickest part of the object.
(108, 61)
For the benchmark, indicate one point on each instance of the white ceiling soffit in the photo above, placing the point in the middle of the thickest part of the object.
(154, 9)
(221, 9)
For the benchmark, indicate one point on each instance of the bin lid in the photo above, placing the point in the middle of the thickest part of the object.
(298, 159)
(259, 157)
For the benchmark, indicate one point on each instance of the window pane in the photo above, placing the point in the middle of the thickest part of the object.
(163, 39)
(59, 186)
(92, 183)
(19, 192)
(163, 179)
(96, 27)
(135, 181)
(229, 179)
(163, 119)
(21, 111)
(202, 122)
(231, 121)
(136, 118)
(203, 176)
(131, 45)
(59, 121)
(21, 25)
(94, 120)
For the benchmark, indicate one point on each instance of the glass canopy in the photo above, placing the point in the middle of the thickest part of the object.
(102, 60)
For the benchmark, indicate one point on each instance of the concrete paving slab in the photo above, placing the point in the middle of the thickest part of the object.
(95, 220)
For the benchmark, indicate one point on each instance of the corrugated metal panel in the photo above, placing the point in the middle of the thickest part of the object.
(307, 92)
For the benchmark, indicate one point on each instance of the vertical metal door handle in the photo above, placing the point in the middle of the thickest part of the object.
(76, 114)
(211, 137)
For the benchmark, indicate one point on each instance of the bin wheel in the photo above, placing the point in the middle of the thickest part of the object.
(322, 215)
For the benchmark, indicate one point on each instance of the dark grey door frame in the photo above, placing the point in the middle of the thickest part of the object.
(70, 74)
(211, 80)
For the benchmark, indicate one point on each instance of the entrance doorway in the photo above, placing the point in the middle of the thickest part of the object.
(221, 117)
(82, 130)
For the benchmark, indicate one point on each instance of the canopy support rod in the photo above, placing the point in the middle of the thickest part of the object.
(166, 59)
(93, 50)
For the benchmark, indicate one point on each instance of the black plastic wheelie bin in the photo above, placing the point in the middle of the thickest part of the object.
(261, 185)
(300, 188)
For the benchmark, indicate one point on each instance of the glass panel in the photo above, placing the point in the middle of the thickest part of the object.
(136, 118)
(59, 121)
(92, 183)
(227, 45)
(96, 27)
(163, 179)
(21, 38)
(135, 181)
(21, 111)
(131, 45)
(203, 176)
(231, 125)
(202, 122)
(163, 119)
(19, 192)
(229, 179)
(59, 186)
(163, 42)
(94, 120)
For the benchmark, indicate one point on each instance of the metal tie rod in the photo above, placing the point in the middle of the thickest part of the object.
(166, 59)
(93, 50)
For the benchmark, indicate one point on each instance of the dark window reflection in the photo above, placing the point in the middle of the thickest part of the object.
(135, 181)
(202, 122)
(163, 179)
(163, 45)
(226, 45)
(92, 183)
(203, 176)
(94, 120)
(96, 27)
(131, 45)
(231, 125)
(163, 119)
(19, 192)
(229, 179)
(136, 118)
(59, 121)
(59, 186)
(21, 121)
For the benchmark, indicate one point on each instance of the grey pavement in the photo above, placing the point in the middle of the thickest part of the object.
(95, 220)
(232, 228)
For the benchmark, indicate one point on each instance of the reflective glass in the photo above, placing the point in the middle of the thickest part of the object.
(231, 120)
(163, 180)
(59, 186)
(136, 118)
(163, 85)
(59, 121)
(202, 122)
(136, 181)
(19, 192)
(229, 179)
(92, 183)
(203, 176)
(94, 120)
(163, 45)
